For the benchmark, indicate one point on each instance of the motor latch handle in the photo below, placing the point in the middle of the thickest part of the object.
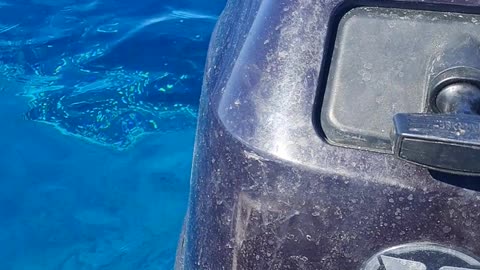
(447, 139)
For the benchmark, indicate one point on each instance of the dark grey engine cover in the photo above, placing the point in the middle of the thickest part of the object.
(268, 191)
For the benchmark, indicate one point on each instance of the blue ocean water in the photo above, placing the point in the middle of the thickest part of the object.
(98, 103)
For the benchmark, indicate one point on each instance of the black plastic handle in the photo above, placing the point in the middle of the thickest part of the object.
(444, 142)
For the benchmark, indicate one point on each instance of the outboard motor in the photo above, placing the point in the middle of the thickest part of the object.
(338, 135)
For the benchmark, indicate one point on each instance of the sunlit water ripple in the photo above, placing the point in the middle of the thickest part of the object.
(105, 74)
(98, 104)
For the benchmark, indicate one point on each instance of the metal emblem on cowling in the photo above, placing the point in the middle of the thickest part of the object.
(422, 256)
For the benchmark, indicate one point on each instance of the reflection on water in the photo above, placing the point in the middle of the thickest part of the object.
(98, 101)
(107, 78)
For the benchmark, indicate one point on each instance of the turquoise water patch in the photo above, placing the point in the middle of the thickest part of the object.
(98, 105)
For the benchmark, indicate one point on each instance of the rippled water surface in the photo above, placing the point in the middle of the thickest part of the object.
(98, 103)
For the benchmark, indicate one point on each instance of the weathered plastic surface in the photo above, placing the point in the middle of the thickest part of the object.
(268, 192)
